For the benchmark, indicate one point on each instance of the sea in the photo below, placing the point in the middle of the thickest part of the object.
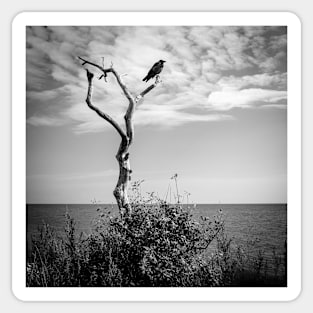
(257, 227)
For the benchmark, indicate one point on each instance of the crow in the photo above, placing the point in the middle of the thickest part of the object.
(155, 70)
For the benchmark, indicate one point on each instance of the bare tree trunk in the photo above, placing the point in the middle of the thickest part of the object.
(121, 190)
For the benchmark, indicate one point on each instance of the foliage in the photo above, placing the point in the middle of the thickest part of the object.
(160, 244)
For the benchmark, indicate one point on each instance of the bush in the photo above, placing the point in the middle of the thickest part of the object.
(159, 245)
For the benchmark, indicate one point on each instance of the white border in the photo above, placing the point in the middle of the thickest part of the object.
(19, 156)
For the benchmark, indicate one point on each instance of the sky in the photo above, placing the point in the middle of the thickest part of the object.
(218, 119)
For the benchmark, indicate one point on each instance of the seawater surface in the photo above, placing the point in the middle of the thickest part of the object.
(262, 227)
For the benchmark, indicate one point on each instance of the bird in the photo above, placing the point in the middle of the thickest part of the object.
(155, 70)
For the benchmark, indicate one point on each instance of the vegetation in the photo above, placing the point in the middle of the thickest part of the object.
(159, 245)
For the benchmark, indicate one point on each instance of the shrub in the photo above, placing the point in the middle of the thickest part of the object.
(159, 245)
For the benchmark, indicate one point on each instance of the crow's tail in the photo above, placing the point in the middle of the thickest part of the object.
(146, 79)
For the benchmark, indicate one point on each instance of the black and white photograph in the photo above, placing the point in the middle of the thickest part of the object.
(160, 152)
(156, 156)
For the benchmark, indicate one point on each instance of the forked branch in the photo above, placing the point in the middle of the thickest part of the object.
(97, 110)
(122, 156)
(114, 72)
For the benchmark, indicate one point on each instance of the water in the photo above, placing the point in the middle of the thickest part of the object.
(264, 224)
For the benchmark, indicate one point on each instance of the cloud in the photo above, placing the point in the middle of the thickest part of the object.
(208, 69)
(246, 98)
(274, 106)
(45, 121)
(278, 80)
(169, 117)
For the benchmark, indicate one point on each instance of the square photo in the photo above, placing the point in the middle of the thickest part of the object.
(156, 156)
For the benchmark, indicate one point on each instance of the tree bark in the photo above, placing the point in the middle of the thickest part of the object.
(121, 189)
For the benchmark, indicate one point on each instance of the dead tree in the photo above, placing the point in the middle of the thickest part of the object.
(121, 190)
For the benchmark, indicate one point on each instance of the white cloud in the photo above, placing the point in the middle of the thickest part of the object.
(274, 106)
(169, 117)
(45, 121)
(246, 98)
(206, 69)
(278, 80)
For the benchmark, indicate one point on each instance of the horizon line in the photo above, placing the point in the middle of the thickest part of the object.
(102, 203)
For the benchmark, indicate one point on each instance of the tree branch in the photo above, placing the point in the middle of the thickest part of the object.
(143, 93)
(131, 107)
(114, 72)
(120, 191)
(97, 110)
(104, 70)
